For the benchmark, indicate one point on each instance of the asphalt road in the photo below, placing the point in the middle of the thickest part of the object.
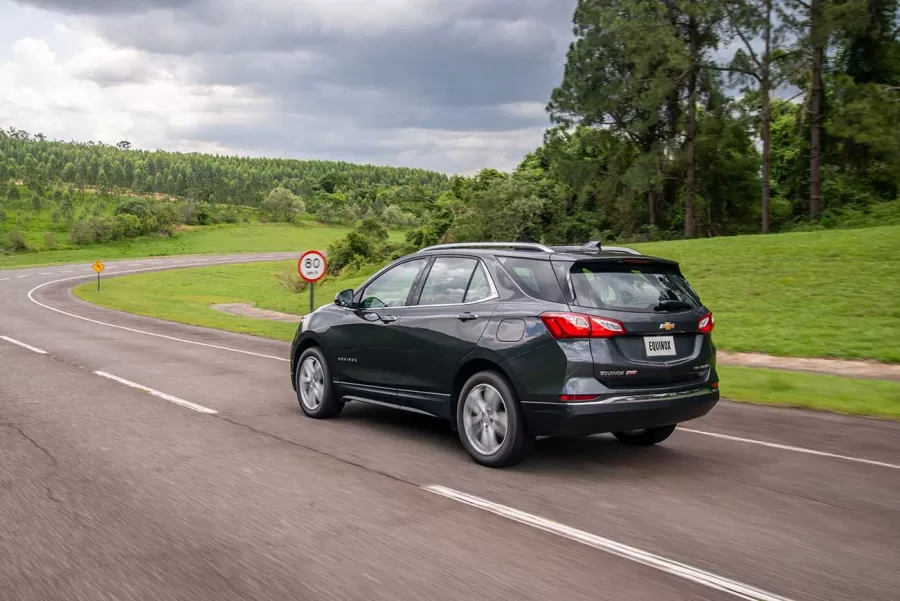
(216, 487)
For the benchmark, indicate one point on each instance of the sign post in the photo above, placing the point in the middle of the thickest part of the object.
(312, 267)
(98, 267)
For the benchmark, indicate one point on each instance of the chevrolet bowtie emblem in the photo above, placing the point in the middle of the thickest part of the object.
(666, 326)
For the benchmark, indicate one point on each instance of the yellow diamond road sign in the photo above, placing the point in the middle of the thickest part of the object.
(98, 266)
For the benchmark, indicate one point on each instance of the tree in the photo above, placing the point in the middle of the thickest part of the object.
(282, 205)
(752, 21)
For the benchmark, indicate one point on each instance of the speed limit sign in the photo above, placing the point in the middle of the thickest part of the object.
(312, 266)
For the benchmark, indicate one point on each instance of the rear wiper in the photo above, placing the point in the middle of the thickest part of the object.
(672, 304)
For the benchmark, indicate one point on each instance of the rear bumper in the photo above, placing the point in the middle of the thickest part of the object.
(618, 413)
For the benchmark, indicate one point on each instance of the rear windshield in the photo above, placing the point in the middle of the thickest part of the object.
(650, 288)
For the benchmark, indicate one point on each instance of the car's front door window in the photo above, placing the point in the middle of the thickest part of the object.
(391, 289)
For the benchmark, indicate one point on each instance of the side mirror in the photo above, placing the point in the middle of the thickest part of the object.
(344, 298)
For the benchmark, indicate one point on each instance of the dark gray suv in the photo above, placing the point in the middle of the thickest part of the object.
(511, 341)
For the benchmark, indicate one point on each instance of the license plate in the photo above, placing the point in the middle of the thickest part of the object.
(659, 346)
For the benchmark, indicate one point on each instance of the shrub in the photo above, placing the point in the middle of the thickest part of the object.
(16, 240)
(127, 226)
(291, 280)
(49, 240)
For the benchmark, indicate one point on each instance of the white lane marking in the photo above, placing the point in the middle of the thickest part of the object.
(708, 579)
(134, 330)
(23, 345)
(784, 447)
(66, 271)
(3, 279)
(157, 393)
(45, 273)
(24, 276)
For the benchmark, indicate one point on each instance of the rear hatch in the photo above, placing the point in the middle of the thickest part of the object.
(654, 337)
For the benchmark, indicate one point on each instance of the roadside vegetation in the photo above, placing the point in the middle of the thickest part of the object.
(793, 295)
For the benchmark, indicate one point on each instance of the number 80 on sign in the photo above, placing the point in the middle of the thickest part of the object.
(312, 266)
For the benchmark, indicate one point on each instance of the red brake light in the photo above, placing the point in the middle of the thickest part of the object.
(567, 325)
(603, 327)
(706, 323)
(577, 325)
(577, 397)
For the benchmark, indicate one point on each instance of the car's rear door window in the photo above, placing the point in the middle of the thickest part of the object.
(447, 281)
(479, 286)
(646, 288)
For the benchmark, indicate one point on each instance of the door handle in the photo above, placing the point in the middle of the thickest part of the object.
(467, 316)
(388, 318)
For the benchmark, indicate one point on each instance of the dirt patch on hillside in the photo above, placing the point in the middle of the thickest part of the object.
(836, 367)
(248, 310)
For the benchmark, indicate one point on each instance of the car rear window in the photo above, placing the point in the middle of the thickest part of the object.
(650, 288)
(534, 277)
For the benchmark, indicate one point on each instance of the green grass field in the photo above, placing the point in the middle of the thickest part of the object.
(209, 239)
(875, 398)
(829, 293)
(185, 296)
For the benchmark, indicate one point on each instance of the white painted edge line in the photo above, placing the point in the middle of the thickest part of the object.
(134, 330)
(23, 345)
(3, 279)
(708, 579)
(157, 393)
(784, 447)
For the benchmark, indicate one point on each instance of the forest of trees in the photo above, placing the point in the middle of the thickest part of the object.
(653, 135)
(657, 136)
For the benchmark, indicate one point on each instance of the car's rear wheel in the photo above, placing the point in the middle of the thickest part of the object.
(491, 425)
(315, 390)
(645, 437)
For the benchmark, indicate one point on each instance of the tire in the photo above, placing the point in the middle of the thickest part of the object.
(646, 437)
(319, 401)
(479, 423)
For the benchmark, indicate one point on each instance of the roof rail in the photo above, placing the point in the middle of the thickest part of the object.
(621, 249)
(516, 245)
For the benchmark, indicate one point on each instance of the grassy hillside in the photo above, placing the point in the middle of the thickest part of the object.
(820, 294)
(832, 293)
(212, 239)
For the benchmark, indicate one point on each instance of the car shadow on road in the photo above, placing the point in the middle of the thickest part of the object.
(558, 455)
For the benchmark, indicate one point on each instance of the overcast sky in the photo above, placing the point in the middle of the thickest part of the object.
(450, 85)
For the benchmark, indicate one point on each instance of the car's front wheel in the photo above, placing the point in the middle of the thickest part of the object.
(645, 437)
(315, 390)
(491, 425)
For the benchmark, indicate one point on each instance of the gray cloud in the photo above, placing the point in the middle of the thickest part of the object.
(105, 7)
(382, 66)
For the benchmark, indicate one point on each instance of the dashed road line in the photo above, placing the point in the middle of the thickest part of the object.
(696, 575)
(784, 447)
(23, 345)
(3, 279)
(157, 393)
(24, 276)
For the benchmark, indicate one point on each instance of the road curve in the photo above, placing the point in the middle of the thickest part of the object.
(142, 459)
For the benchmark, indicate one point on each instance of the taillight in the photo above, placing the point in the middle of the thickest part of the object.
(577, 397)
(706, 323)
(578, 325)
